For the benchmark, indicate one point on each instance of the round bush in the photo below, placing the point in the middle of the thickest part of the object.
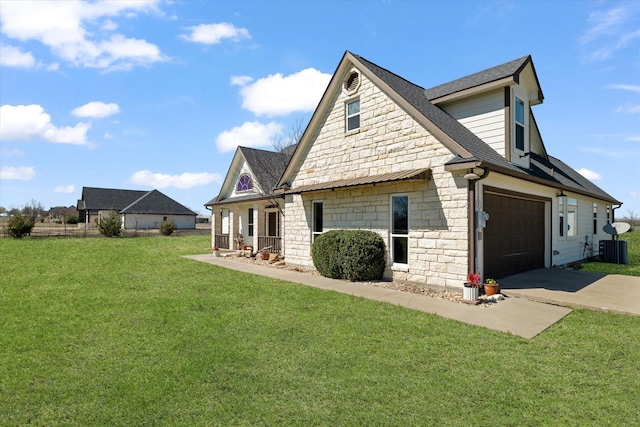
(355, 255)
(167, 226)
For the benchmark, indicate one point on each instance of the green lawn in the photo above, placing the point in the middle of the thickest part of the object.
(631, 269)
(126, 332)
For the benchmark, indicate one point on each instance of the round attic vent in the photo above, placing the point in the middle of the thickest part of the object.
(352, 82)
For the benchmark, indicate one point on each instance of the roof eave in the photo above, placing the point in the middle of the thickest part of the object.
(476, 90)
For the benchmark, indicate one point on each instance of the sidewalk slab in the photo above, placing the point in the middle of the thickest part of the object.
(579, 289)
(517, 316)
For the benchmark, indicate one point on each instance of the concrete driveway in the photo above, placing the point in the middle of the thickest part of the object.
(574, 288)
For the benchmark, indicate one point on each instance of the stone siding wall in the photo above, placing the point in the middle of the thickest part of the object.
(389, 140)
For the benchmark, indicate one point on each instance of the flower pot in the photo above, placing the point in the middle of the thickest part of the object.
(490, 289)
(265, 256)
(216, 253)
(470, 293)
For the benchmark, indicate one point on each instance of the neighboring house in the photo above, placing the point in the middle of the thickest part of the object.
(246, 211)
(138, 209)
(455, 178)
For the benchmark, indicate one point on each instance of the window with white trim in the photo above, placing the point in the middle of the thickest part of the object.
(520, 124)
(595, 218)
(250, 222)
(353, 115)
(316, 220)
(400, 229)
(561, 223)
(572, 217)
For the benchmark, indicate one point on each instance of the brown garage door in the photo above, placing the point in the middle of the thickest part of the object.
(514, 236)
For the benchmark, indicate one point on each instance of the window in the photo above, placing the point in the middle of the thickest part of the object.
(400, 229)
(608, 214)
(224, 214)
(572, 217)
(595, 218)
(250, 223)
(353, 115)
(273, 223)
(561, 215)
(244, 183)
(316, 220)
(519, 124)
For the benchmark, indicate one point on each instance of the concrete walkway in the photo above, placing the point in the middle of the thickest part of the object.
(578, 289)
(518, 316)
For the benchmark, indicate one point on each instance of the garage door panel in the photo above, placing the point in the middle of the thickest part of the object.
(514, 236)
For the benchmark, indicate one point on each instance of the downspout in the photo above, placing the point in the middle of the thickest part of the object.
(472, 245)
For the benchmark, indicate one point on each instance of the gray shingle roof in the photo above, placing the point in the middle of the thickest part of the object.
(489, 75)
(155, 202)
(108, 198)
(481, 152)
(416, 96)
(267, 168)
(131, 201)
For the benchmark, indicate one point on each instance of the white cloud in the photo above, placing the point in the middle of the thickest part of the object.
(66, 189)
(630, 88)
(11, 56)
(215, 33)
(183, 181)
(629, 109)
(241, 80)
(80, 33)
(14, 152)
(96, 109)
(250, 134)
(26, 122)
(277, 95)
(589, 174)
(610, 31)
(23, 173)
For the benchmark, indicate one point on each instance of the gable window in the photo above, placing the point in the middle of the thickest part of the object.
(316, 221)
(250, 223)
(353, 115)
(519, 119)
(400, 229)
(244, 183)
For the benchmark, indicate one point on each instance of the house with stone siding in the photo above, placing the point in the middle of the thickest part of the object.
(246, 212)
(455, 178)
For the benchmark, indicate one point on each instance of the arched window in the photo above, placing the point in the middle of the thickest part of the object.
(244, 183)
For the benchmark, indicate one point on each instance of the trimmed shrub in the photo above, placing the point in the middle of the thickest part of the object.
(72, 219)
(110, 225)
(167, 226)
(19, 225)
(355, 255)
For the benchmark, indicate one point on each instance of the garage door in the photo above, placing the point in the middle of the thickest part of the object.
(514, 236)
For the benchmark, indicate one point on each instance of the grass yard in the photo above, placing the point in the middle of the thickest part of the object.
(631, 269)
(124, 332)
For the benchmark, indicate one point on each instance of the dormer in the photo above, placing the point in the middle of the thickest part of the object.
(495, 105)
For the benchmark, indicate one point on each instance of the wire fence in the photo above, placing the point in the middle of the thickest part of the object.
(42, 230)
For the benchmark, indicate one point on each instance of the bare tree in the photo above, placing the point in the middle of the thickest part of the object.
(281, 141)
(33, 210)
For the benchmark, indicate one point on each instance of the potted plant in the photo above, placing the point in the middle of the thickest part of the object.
(471, 290)
(490, 287)
(216, 251)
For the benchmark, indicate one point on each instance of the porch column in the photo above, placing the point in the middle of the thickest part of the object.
(233, 227)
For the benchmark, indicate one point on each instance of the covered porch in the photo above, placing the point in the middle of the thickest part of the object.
(257, 225)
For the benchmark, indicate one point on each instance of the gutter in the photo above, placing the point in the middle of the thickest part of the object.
(472, 243)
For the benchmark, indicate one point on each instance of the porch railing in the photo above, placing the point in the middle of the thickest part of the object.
(222, 241)
(274, 242)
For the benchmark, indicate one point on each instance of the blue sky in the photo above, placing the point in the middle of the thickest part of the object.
(157, 94)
